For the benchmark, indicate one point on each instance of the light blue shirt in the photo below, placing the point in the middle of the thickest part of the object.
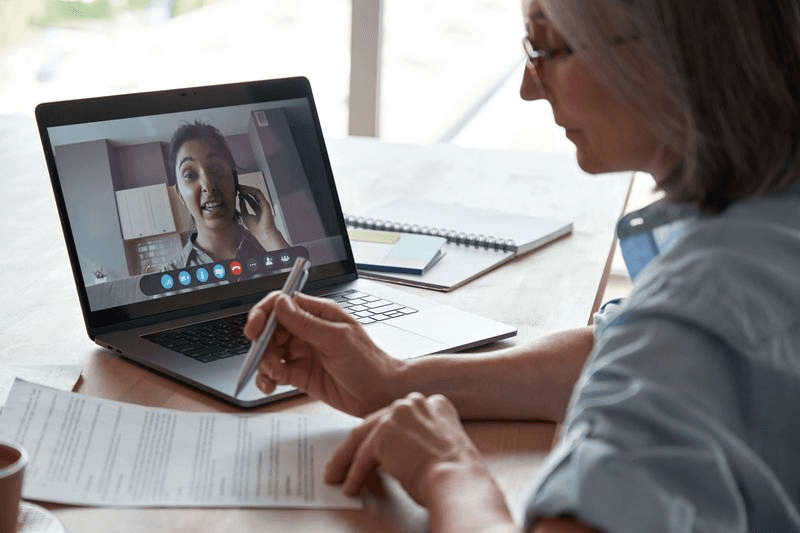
(687, 414)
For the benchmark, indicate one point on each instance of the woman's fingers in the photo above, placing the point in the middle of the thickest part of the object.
(258, 314)
(302, 311)
(264, 384)
(319, 349)
(339, 464)
(407, 440)
(313, 320)
(255, 199)
(364, 461)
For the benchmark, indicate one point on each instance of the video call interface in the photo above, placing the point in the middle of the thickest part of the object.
(146, 235)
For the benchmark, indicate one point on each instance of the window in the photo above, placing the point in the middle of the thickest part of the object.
(441, 62)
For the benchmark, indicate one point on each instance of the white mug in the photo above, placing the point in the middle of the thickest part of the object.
(13, 459)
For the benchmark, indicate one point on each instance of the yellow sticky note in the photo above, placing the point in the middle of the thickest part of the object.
(367, 235)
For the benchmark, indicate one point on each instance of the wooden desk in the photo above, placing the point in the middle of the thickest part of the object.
(552, 289)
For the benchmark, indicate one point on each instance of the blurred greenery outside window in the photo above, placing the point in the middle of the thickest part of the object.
(21, 18)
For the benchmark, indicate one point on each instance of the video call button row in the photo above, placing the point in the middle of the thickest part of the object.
(231, 270)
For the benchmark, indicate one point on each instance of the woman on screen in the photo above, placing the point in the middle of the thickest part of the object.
(203, 171)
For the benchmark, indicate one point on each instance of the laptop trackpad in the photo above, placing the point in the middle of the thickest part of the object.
(401, 343)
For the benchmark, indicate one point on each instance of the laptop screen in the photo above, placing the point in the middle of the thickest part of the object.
(171, 210)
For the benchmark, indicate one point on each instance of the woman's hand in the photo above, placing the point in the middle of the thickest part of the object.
(416, 439)
(321, 350)
(262, 222)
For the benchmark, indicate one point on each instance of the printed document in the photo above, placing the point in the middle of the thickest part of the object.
(57, 376)
(89, 451)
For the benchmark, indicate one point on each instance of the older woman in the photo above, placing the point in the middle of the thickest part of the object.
(679, 406)
(204, 173)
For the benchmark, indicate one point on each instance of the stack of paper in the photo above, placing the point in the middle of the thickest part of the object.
(89, 451)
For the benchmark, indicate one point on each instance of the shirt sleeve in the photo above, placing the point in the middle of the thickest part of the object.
(653, 439)
(607, 313)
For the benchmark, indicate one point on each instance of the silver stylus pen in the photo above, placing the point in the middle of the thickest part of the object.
(297, 278)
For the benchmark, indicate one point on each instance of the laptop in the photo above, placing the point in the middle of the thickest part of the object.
(148, 290)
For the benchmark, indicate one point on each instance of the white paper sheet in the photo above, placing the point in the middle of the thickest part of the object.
(89, 451)
(62, 377)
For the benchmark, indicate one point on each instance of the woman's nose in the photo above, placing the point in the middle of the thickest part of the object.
(207, 181)
(531, 87)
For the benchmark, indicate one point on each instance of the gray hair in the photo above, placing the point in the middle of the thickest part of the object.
(718, 82)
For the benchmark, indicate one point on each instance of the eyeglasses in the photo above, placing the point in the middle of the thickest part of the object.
(536, 57)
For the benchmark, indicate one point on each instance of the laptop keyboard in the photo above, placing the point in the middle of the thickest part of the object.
(223, 338)
(207, 341)
(368, 308)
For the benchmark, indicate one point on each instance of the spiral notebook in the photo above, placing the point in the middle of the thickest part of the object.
(478, 240)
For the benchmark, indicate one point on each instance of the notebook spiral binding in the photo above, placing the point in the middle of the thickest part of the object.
(466, 239)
